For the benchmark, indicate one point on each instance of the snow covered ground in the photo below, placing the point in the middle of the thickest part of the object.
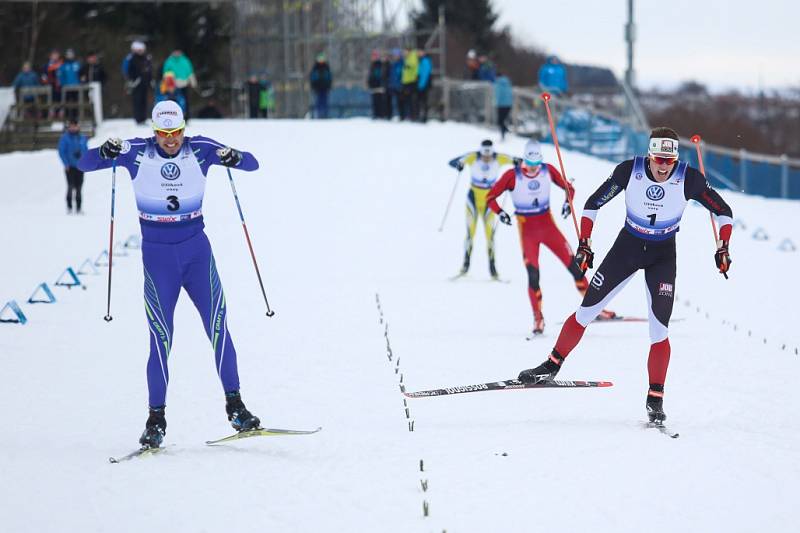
(339, 212)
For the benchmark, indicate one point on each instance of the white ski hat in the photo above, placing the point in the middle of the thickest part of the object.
(533, 153)
(138, 46)
(663, 146)
(167, 115)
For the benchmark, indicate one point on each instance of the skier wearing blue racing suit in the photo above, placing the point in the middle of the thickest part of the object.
(169, 172)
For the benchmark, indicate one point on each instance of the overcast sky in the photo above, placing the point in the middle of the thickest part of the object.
(732, 43)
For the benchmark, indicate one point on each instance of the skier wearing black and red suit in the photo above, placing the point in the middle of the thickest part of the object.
(657, 189)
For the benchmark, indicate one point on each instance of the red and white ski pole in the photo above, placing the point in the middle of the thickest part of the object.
(696, 140)
(546, 98)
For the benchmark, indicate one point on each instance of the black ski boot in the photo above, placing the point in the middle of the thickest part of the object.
(465, 267)
(655, 404)
(544, 372)
(240, 418)
(154, 429)
(493, 270)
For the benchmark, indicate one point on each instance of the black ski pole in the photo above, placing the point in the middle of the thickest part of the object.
(270, 312)
(108, 316)
(450, 201)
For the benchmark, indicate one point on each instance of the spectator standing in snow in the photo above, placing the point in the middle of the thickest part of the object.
(504, 99)
(321, 80)
(71, 147)
(377, 80)
(395, 83)
(410, 73)
(424, 81)
(139, 74)
(183, 70)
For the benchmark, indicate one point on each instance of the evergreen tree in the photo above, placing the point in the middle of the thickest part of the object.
(474, 17)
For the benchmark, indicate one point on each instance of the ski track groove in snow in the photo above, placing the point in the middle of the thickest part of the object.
(337, 209)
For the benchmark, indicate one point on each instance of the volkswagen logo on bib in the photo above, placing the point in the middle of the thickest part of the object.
(171, 171)
(655, 192)
(534, 185)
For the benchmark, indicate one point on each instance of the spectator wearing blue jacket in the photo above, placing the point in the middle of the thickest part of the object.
(504, 99)
(69, 74)
(486, 71)
(424, 80)
(395, 82)
(26, 78)
(553, 76)
(71, 148)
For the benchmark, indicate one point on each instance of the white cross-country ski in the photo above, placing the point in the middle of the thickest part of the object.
(262, 432)
(663, 429)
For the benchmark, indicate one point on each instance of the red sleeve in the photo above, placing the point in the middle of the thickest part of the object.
(586, 227)
(505, 183)
(725, 232)
(559, 180)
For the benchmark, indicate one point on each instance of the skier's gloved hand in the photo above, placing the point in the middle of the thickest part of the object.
(111, 148)
(566, 210)
(723, 258)
(460, 165)
(504, 218)
(584, 258)
(517, 161)
(229, 157)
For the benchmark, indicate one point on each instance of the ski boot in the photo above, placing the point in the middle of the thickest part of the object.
(240, 418)
(154, 429)
(538, 326)
(493, 270)
(544, 372)
(655, 405)
(465, 266)
(605, 314)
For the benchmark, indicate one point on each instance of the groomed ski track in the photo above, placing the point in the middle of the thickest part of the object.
(338, 212)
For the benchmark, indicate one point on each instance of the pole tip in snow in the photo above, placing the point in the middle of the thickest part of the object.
(545, 96)
(695, 138)
(108, 318)
(270, 313)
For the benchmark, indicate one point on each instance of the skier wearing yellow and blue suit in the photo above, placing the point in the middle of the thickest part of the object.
(484, 166)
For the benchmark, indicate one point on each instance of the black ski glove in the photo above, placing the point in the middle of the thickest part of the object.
(585, 256)
(723, 258)
(229, 156)
(460, 165)
(505, 218)
(111, 148)
(566, 210)
(517, 161)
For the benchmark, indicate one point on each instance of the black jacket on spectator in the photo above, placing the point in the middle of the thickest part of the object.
(93, 72)
(321, 78)
(140, 74)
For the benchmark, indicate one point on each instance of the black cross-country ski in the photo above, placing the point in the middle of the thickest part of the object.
(663, 429)
(262, 432)
(509, 384)
(141, 452)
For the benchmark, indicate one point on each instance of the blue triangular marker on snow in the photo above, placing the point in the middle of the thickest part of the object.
(119, 250)
(760, 235)
(18, 315)
(102, 259)
(71, 279)
(133, 242)
(787, 246)
(87, 268)
(42, 295)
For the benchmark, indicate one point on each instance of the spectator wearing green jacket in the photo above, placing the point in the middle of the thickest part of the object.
(181, 66)
(408, 98)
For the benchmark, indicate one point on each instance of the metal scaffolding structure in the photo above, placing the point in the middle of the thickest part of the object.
(281, 38)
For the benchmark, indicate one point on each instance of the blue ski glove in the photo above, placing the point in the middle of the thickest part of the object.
(504, 218)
